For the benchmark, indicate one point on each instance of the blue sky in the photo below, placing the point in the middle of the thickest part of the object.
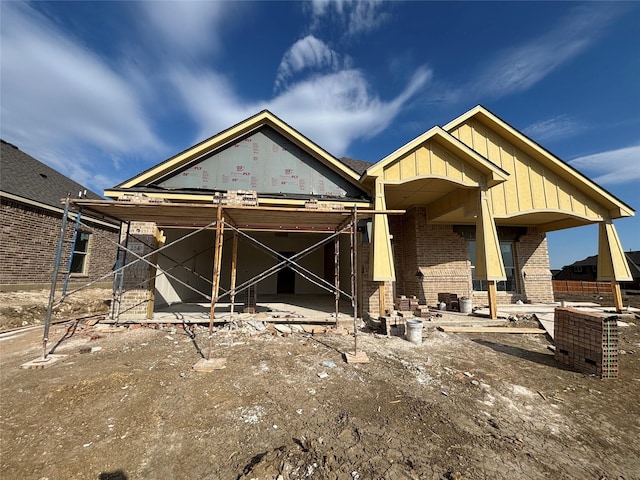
(104, 90)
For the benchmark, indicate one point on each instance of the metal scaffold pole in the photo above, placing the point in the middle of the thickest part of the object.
(71, 252)
(54, 281)
(354, 279)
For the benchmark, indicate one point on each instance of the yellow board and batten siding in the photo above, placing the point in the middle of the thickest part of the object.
(433, 161)
(531, 186)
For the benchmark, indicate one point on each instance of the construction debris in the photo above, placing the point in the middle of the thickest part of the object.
(406, 304)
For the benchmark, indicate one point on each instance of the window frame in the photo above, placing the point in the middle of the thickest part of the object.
(501, 286)
(80, 256)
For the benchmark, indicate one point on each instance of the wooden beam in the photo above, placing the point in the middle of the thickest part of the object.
(217, 262)
(336, 273)
(520, 330)
(493, 299)
(617, 296)
(234, 265)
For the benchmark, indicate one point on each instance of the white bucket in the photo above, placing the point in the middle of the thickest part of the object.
(414, 331)
(465, 305)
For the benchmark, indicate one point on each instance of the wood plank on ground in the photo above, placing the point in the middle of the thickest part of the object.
(454, 329)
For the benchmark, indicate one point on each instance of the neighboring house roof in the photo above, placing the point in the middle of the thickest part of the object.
(591, 261)
(633, 259)
(27, 178)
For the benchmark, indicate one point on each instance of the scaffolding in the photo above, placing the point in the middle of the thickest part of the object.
(242, 221)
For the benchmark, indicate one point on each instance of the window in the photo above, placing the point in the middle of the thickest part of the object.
(506, 249)
(79, 261)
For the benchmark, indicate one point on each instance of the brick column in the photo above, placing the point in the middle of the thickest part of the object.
(138, 277)
(532, 261)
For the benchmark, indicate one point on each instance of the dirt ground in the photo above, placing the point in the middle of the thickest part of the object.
(287, 406)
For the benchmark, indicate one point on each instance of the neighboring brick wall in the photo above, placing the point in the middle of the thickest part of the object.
(587, 341)
(29, 244)
(138, 282)
(532, 260)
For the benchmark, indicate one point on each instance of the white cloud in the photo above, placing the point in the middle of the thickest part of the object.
(58, 96)
(560, 126)
(308, 53)
(523, 66)
(186, 26)
(210, 99)
(332, 110)
(614, 166)
(355, 16)
(335, 109)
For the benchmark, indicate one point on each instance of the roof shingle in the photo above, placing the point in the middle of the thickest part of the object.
(24, 176)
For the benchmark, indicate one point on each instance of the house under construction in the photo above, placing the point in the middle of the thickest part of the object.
(259, 209)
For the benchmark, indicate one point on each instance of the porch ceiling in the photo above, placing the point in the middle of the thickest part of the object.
(417, 192)
(199, 215)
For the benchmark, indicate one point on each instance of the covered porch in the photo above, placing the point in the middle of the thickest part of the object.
(477, 218)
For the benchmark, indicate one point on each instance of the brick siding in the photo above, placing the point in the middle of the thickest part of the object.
(29, 244)
(441, 256)
(532, 257)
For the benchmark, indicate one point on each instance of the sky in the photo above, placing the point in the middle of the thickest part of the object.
(102, 91)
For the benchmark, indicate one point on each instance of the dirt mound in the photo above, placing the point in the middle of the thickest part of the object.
(20, 309)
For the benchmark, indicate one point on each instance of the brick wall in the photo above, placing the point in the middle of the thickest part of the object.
(442, 258)
(436, 251)
(532, 258)
(587, 342)
(29, 244)
(136, 299)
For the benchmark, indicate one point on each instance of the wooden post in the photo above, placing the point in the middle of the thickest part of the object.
(159, 240)
(382, 301)
(617, 296)
(217, 261)
(493, 300)
(234, 265)
(336, 273)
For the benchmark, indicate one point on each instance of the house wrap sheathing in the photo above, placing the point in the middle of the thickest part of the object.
(463, 209)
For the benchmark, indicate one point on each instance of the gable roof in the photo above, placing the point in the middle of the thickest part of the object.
(494, 173)
(222, 139)
(616, 206)
(27, 178)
